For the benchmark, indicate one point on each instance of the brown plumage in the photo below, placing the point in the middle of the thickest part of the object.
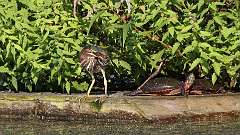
(94, 59)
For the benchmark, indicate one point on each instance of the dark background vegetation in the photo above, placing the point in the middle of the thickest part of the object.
(40, 41)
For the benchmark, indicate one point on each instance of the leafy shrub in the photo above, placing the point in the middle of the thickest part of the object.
(39, 45)
(40, 40)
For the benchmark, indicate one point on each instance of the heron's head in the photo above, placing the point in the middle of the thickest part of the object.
(189, 81)
(101, 55)
(102, 58)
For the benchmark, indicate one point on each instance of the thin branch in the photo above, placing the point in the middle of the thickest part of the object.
(152, 75)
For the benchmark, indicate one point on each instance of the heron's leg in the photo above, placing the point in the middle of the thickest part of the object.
(105, 81)
(93, 81)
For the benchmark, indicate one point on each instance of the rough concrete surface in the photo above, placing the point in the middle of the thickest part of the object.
(116, 106)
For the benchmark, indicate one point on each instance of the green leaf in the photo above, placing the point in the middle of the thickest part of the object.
(165, 36)
(9, 31)
(155, 58)
(204, 45)
(3, 69)
(67, 86)
(217, 68)
(200, 3)
(8, 49)
(139, 46)
(205, 66)
(214, 78)
(29, 86)
(188, 49)
(53, 72)
(236, 45)
(175, 47)
(213, 6)
(161, 22)
(195, 63)
(205, 34)
(45, 36)
(70, 40)
(218, 20)
(216, 55)
(24, 42)
(182, 36)
(125, 33)
(18, 47)
(59, 79)
(186, 28)
(14, 83)
(122, 63)
(125, 65)
(13, 38)
(227, 31)
(204, 55)
(78, 71)
(35, 79)
(171, 30)
(93, 19)
(83, 86)
(203, 13)
(115, 26)
(70, 60)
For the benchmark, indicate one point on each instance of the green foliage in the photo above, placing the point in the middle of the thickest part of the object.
(40, 40)
(39, 45)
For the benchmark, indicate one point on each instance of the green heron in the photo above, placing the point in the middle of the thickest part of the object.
(94, 59)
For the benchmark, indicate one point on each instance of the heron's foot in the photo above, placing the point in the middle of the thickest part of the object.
(106, 95)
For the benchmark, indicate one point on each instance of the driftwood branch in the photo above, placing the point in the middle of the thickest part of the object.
(152, 75)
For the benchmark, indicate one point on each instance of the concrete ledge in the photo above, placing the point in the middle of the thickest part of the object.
(116, 106)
